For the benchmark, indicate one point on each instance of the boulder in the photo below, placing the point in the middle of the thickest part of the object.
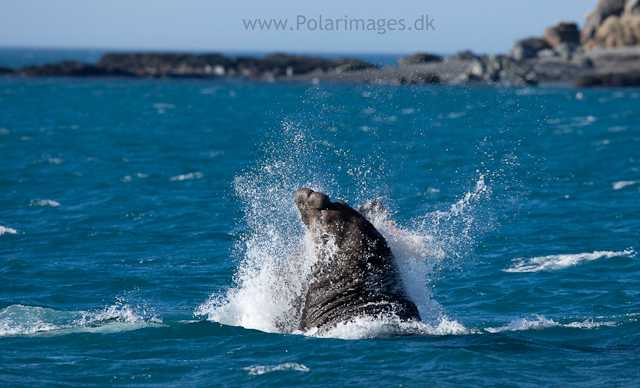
(612, 24)
(616, 32)
(595, 18)
(6, 70)
(632, 7)
(528, 48)
(547, 53)
(563, 32)
(498, 69)
(566, 50)
(419, 59)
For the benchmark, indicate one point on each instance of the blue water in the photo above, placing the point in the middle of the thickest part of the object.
(140, 218)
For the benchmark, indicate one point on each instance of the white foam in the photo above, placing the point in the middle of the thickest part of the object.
(590, 324)
(622, 184)
(162, 107)
(262, 369)
(44, 202)
(29, 320)
(389, 326)
(184, 177)
(129, 178)
(538, 322)
(535, 322)
(556, 262)
(456, 115)
(4, 230)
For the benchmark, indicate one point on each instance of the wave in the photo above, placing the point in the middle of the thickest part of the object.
(4, 230)
(184, 177)
(29, 320)
(556, 262)
(44, 202)
(622, 184)
(129, 178)
(539, 322)
(262, 369)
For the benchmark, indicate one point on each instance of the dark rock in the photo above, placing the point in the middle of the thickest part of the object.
(172, 64)
(6, 70)
(348, 64)
(584, 62)
(420, 79)
(498, 69)
(528, 48)
(464, 56)
(609, 80)
(282, 64)
(418, 59)
(247, 66)
(566, 50)
(68, 68)
(563, 32)
(163, 64)
(547, 53)
(198, 65)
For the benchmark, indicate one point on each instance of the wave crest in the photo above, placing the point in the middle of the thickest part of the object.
(556, 262)
(27, 320)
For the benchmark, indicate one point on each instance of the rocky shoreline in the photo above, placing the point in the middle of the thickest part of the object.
(605, 53)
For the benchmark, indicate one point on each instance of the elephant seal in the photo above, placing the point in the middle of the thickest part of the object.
(355, 273)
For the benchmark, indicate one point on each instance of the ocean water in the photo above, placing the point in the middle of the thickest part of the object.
(142, 222)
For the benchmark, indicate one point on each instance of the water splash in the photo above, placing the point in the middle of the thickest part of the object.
(268, 287)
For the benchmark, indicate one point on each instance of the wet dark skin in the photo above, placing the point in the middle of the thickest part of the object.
(359, 278)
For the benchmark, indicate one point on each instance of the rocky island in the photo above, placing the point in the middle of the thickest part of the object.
(606, 52)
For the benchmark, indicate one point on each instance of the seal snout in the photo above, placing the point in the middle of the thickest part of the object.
(310, 203)
(310, 199)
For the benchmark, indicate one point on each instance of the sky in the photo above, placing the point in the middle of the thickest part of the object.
(489, 26)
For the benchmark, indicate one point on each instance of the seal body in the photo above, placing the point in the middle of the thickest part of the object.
(355, 273)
